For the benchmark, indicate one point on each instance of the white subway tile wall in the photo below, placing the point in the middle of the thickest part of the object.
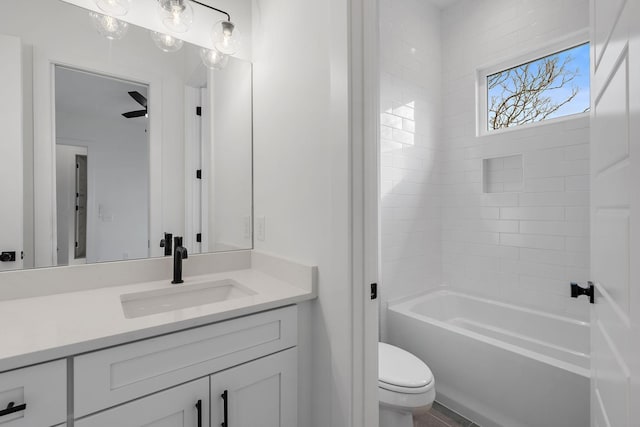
(411, 155)
(523, 246)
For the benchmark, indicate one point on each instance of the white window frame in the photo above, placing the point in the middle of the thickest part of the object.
(482, 113)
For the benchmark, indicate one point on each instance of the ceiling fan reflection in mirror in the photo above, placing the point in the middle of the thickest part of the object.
(140, 99)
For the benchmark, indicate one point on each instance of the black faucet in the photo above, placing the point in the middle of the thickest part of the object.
(179, 253)
(166, 244)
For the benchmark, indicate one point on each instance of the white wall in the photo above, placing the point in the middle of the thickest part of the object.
(118, 184)
(520, 246)
(301, 155)
(230, 200)
(411, 148)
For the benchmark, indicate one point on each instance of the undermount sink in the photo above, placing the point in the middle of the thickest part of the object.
(139, 304)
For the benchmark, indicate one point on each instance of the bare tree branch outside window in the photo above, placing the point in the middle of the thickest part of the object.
(546, 88)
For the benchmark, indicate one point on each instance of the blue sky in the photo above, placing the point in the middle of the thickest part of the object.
(580, 62)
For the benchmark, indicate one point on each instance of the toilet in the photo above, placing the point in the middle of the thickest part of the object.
(405, 386)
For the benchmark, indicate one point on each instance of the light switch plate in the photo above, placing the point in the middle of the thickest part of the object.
(247, 227)
(260, 228)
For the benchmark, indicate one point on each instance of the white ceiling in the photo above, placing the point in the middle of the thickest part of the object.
(89, 94)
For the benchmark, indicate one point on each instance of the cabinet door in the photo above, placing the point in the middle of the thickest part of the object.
(34, 396)
(175, 407)
(259, 393)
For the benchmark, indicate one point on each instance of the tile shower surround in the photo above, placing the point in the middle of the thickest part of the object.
(438, 225)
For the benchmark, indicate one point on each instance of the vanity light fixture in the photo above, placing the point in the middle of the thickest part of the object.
(108, 26)
(114, 7)
(225, 41)
(165, 42)
(176, 15)
(223, 38)
(213, 59)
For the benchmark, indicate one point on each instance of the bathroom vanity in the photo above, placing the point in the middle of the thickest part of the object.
(87, 361)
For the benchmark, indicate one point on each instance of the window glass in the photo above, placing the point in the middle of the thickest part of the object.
(546, 88)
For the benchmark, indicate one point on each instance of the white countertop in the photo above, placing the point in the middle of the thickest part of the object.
(39, 329)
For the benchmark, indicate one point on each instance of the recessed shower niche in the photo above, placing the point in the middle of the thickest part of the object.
(502, 174)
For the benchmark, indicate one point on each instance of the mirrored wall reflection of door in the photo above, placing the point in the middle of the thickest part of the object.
(71, 209)
(102, 168)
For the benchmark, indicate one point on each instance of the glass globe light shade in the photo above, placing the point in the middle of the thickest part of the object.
(166, 42)
(225, 37)
(108, 26)
(176, 15)
(213, 59)
(114, 7)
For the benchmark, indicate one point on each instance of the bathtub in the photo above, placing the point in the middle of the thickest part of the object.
(498, 364)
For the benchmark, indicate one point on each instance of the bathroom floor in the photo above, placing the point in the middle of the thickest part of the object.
(439, 416)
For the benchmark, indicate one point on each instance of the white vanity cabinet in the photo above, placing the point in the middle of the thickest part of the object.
(158, 381)
(259, 393)
(34, 396)
(183, 406)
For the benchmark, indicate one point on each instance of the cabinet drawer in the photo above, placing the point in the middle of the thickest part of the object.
(43, 388)
(175, 407)
(116, 375)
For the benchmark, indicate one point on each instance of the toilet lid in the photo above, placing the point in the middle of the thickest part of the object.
(399, 368)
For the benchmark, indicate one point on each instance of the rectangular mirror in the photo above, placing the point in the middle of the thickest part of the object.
(109, 144)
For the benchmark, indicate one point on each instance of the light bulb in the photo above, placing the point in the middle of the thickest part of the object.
(225, 37)
(114, 7)
(213, 59)
(108, 26)
(165, 42)
(176, 15)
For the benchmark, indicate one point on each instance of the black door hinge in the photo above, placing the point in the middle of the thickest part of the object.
(199, 237)
(374, 290)
(198, 111)
(589, 291)
(199, 174)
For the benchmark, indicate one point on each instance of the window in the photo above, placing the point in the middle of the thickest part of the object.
(552, 86)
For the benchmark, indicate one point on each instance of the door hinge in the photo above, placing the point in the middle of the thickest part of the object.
(199, 174)
(198, 111)
(589, 291)
(374, 290)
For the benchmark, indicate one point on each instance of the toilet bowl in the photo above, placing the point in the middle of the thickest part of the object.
(405, 386)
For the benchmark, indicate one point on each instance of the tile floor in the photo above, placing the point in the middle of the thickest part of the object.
(439, 416)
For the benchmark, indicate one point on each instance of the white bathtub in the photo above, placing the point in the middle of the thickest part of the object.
(498, 364)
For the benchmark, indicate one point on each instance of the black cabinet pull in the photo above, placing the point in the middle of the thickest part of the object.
(199, 409)
(225, 401)
(11, 408)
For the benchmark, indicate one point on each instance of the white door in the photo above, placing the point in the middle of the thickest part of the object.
(615, 213)
(11, 226)
(259, 393)
(183, 406)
